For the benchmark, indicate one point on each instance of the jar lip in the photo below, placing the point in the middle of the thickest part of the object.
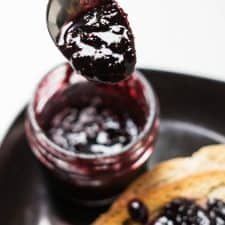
(153, 113)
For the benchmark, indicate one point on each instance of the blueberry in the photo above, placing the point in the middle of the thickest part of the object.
(138, 211)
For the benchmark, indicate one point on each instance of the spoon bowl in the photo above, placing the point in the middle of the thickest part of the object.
(58, 12)
(61, 11)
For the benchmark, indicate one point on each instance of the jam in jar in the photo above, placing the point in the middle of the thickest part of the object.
(91, 139)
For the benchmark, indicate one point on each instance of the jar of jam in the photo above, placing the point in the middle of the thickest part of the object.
(91, 139)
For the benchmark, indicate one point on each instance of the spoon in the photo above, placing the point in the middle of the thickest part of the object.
(106, 53)
(61, 11)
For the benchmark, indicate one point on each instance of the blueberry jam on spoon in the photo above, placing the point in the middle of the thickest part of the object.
(99, 43)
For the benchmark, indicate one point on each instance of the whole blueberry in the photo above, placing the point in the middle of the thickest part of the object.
(138, 211)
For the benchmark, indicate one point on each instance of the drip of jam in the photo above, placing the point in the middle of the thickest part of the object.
(100, 43)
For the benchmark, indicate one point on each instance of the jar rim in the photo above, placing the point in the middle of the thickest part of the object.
(151, 100)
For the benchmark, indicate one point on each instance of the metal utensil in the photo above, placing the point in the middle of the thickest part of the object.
(61, 11)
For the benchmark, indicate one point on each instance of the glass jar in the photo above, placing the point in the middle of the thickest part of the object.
(90, 179)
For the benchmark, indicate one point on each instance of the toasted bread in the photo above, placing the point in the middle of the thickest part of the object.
(206, 159)
(177, 170)
(199, 187)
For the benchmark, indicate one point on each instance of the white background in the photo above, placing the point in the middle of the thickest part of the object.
(186, 36)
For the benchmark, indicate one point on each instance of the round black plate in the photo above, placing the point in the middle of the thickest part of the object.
(192, 115)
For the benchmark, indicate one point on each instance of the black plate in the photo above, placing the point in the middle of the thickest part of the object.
(192, 115)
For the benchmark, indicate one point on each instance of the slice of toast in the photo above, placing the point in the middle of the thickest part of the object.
(206, 159)
(200, 187)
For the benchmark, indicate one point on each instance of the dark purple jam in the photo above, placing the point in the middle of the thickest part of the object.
(216, 211)
(93, 129)
(183, 211)
(93, 119)
(187, 212)
(100, 43)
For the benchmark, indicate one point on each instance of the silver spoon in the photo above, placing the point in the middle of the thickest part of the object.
(61, 11)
